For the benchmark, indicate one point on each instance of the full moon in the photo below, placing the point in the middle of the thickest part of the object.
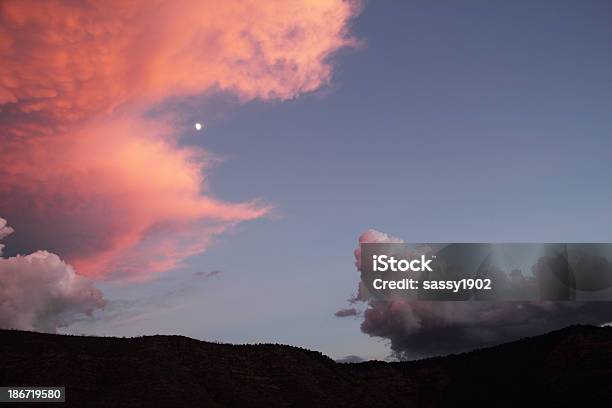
(198, 126)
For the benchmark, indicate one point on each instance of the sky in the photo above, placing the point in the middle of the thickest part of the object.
(431, 121)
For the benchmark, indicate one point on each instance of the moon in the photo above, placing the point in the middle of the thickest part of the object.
(198, 126)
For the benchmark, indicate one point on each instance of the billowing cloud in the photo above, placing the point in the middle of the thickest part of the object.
(41, 292)
(88, 172)
(71, 60)
(425, 328)
(114, 197)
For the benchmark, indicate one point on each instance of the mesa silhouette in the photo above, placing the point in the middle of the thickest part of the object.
(567, 367)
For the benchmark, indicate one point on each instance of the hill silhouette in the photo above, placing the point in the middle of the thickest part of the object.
(567, 367)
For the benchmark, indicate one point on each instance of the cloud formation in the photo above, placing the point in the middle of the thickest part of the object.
(72, 60)
(426, 328)
(41, 292)
(87, 171)
(114, 197)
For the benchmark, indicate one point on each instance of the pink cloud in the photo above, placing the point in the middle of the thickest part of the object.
(71, 60)
(85, 172)
(116, 197)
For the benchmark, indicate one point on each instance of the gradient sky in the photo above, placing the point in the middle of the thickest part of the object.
(453, 121)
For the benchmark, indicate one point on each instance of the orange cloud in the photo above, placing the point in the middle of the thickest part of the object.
(116, 197)
(84, 172)
(74, 59)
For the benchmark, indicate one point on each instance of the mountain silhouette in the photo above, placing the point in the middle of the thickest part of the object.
(568, 367)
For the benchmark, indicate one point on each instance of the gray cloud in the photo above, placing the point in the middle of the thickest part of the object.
(41, 292)
(351, 311)
(350, 359)
(207, 275)
(417, 329)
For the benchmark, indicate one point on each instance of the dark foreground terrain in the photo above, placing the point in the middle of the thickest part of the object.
(569, 367)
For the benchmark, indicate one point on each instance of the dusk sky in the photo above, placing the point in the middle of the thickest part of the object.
(432, 121)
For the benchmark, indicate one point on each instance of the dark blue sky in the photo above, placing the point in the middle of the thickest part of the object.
(456, 121)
